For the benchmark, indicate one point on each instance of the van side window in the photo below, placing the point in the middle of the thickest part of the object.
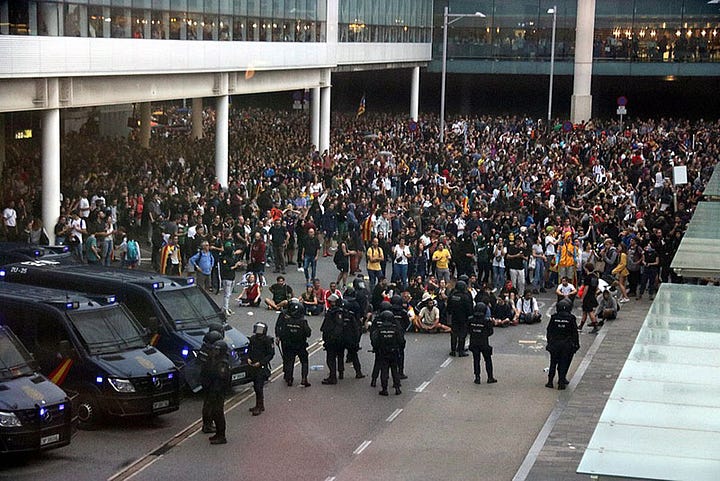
(142, 309)
(47, 341)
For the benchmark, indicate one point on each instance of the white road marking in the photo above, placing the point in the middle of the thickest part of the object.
(330, 478)
(446, 363)
(422, 386)
(521, 341)
(395, 414)
(362, 447)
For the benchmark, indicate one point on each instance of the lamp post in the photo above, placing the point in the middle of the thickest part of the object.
(552, 10)
(455, 17)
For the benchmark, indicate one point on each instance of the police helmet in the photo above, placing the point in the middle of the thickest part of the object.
(461, 286)
(349, 292)
(295, 309)
(387, 316)
(464, 278)
(211, 337)
(396, 300)
(260, 328)
(385, 306)
(333, 299)
(220, 347)
(359, 283)
(480, 310)
(217, 327)
(564, 305)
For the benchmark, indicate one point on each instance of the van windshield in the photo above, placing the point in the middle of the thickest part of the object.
(188, 307)
(13, 362)
(107, 330)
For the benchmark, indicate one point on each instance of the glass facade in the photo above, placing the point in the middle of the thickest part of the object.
(625, 30)
(397, 21)
(224, 20)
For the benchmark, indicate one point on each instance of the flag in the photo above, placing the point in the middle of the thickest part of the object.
(361, 107)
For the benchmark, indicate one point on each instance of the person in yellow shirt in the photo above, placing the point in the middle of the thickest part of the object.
(375, 255)
(566, 257)
(441, 257)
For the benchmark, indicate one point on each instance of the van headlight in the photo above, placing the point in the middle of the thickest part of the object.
(121, 385)
(9, 420)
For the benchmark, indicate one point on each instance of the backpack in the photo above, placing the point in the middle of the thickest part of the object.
(133, 251)
(337, 326)
(350, 331)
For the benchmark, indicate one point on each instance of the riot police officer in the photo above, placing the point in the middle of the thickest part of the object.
(205, 360)
(403, 322)
(352, 330)
(375, 323)
(293, 330)
(562, 342)
(260, 351)
(480, 327)
(460, 308)
(219, 375)
(332, 333)
(386, 341)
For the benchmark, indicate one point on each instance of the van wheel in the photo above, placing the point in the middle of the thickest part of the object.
(89, 413)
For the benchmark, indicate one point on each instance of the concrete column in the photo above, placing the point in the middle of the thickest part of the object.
(581, 102)
(221, 139)
(197, 119)
(50, 170)
(415, 93)
(2, 147)
(315, 117)
(145, 128)
(324, 119)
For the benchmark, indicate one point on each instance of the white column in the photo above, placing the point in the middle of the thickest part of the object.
(324, 119)
(50, 170)
(415, 93)
(2, 144)
(315, 117)
(581, 102)
(197, 118)
(145, 127)
(221, 139)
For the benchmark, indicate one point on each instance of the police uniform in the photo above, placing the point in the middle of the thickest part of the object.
(480, 327)
(352, 332)
(332, 332)
(403, 322)
(292, 331)
(375, 325)
(260, 352)
(562, 342)
(205, 359)
(460, 308)
(219, 384)
(386, 341)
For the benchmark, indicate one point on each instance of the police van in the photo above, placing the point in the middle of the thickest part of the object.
(35, 414)
(91, 345)
(175, 310)
(11, 252)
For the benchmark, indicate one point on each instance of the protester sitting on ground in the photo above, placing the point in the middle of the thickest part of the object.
(428, 319)
(607, 308)
(251, 293)
(527, 307)
(502, 314)
(281, 295)
(310, 301)
(565, 290)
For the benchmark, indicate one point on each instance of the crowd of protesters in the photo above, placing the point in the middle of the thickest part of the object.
(514, 206)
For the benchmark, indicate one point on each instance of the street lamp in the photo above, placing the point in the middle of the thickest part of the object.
(455, 17)
(553, 11)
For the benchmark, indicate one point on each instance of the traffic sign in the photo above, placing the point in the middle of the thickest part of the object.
(621, 111)
(622, 101)
(567, 126)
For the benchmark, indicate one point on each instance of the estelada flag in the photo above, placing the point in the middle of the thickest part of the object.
(361, 107)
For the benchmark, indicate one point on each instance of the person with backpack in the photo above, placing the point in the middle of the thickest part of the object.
(332, 336)
(341, 259)
(589, 297)
(480, 328)
(291, 333)
(562, 342)
(402, 320)
(217, 386)
(352, 331)
(386, 341)
(260, 352)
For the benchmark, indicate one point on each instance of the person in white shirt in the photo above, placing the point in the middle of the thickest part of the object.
(10, 221)
(401, 254)
(565, 290)
(527, 307)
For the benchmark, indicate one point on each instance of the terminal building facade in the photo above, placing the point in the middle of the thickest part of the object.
(64, 57)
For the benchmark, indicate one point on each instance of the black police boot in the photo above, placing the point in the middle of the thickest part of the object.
(218, 440)
(477, 380)
(402, 375)
(383, 392)
(329, 380)
(398, 391)
(208, 428)
(463, 353)
(305, 382)
(341, 374)
(491, 380)
(259, 409)
(289, 381)
(550, 383)
(373, 382)
(359, 375)
(453, 354)
(561, 387)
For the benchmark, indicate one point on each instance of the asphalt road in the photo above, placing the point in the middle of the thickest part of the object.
(442, 425)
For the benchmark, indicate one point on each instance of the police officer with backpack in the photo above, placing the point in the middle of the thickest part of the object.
(480, 327)
(460, 309)
(205, 360)
(292, 332)
(403, 322)
(219, 377)
(260, 352)
(386, 341)
(352, 330)
(332, 336)
(562, 342)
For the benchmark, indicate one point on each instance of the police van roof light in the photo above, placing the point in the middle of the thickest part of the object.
(190, 281)
(61, 407)
(170, 376)
(2, 273)
(185, 351)
(111, 299)
(99, 379)
(72, 305)
(158, 285)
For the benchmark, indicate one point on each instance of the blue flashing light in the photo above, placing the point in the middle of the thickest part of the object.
(190, 281)
(2, 273)
(171, 375)
(99, 379)
(185, 351)
(66, 249)
(42, 412)
(72, 305)
(36, 253)
(111, 299)
(158, 285)
(61, 407)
